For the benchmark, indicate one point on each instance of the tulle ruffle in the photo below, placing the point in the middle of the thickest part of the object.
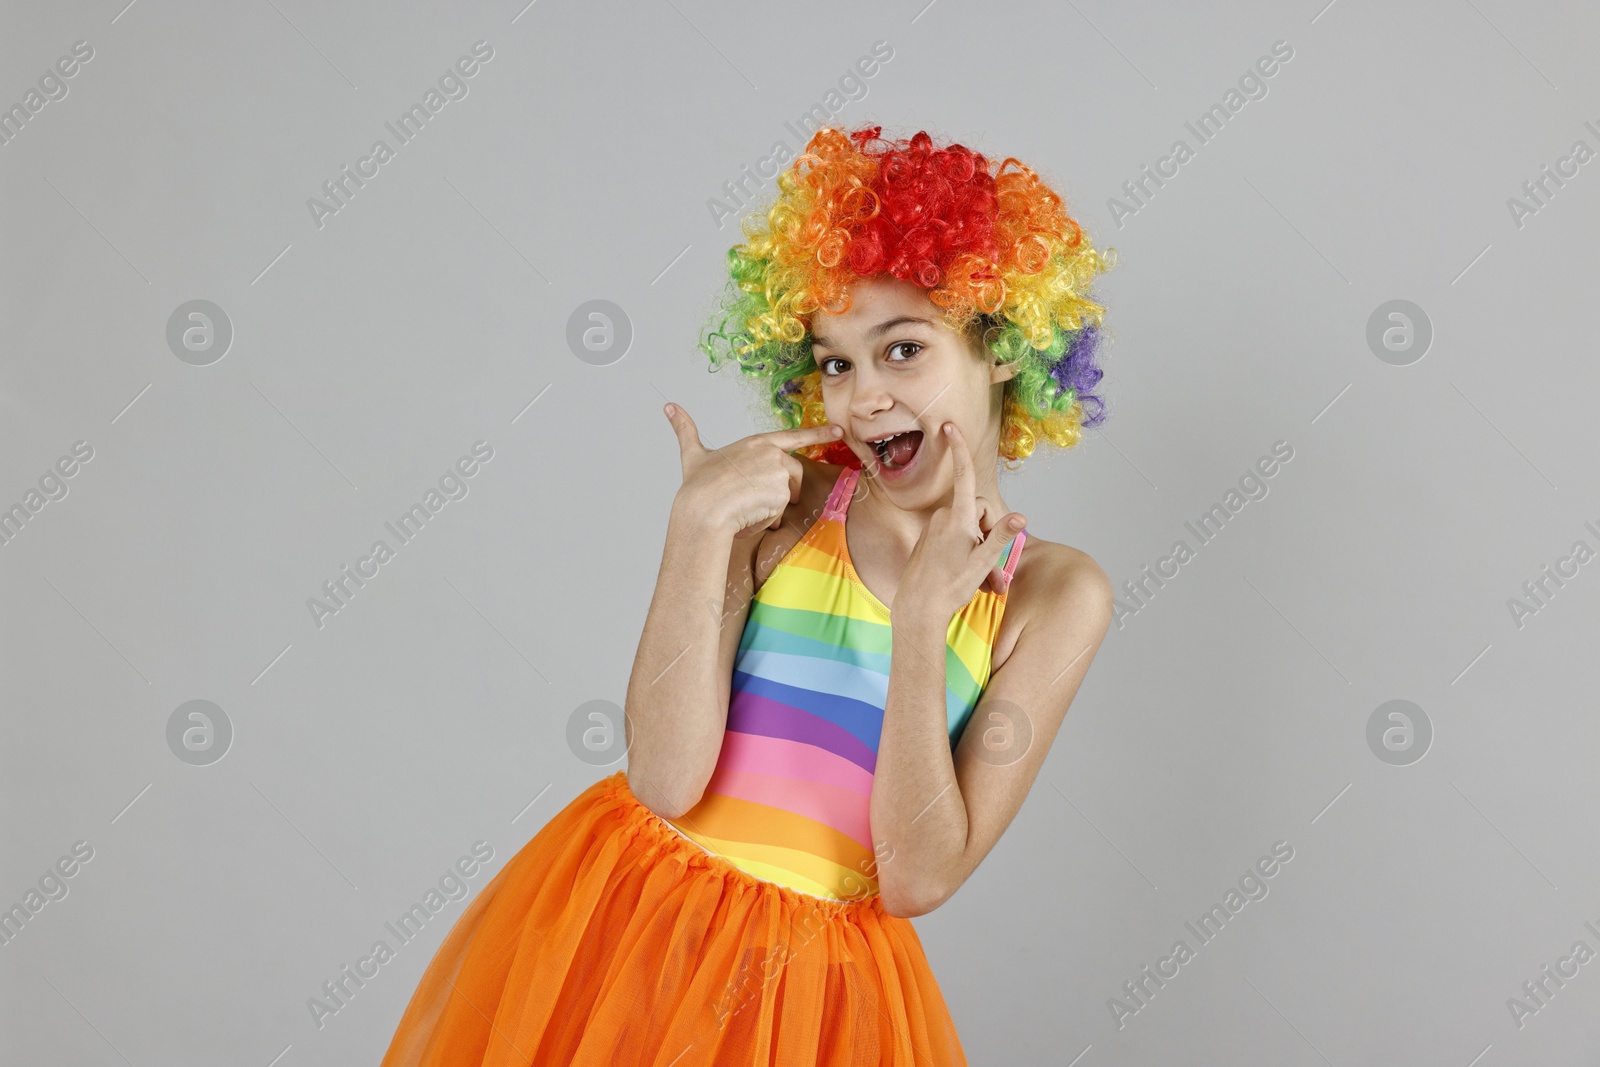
(609, 940)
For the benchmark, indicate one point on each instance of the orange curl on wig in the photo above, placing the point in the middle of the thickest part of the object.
(992, 243)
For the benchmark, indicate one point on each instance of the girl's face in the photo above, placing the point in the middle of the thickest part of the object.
(889, 365)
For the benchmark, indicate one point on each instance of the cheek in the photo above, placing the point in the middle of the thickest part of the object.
(833, 403)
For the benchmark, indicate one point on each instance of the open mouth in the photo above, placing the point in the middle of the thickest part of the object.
(897, 452)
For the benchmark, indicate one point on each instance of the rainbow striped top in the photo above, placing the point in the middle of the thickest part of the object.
(791, 794)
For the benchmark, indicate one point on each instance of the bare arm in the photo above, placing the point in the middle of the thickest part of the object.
(939, 812)
(677, 702)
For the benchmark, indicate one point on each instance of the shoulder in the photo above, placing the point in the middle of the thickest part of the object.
(817, 482)
(823, 474)
(814, 469)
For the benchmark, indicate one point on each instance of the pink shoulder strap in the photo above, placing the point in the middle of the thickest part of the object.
(843, 489)
(1016, 552)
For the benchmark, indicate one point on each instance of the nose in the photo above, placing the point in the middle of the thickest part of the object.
(868, 397)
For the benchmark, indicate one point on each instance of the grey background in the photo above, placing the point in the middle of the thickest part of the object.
(431, 312)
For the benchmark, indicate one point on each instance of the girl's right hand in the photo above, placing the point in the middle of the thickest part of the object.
(744, 487)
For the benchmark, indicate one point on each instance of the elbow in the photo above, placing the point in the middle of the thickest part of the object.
(903, 911)
(657, 798)
(908, 902)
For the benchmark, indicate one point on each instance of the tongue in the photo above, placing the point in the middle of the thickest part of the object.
(902, 448)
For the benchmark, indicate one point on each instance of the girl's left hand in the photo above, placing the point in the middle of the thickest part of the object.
(959, 550)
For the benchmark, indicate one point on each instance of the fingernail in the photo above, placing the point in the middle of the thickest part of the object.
(672, 409)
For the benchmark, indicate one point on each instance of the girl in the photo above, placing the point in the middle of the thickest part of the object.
(802, 778)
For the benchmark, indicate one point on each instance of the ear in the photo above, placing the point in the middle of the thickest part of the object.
(1003, 372)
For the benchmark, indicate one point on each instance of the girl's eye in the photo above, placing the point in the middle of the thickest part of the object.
(822, 364)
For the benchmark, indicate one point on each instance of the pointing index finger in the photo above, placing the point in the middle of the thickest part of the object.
(789, 440)
(966, 489)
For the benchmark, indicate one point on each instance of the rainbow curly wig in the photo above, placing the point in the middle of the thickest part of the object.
(993, 245)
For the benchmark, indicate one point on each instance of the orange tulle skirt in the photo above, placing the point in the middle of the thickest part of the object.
(609, 940)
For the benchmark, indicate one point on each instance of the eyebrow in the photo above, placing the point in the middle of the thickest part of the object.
(874, 332)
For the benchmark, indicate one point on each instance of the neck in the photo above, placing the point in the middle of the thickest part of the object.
(903, 527)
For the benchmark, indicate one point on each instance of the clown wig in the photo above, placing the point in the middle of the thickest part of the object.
(993, 245)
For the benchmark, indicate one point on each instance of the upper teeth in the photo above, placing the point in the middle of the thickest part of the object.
(891, 437)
